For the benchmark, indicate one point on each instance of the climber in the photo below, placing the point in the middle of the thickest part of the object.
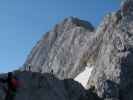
(12, 85)
(29, 67)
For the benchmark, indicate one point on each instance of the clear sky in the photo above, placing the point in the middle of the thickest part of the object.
(23, 22)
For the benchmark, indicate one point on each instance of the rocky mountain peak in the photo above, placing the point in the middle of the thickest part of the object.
(78, 22)
(100, 60)
(60, 49)
(72, 22)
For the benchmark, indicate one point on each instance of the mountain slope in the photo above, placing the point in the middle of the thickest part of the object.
(113, 72)
(74, 46)
(61, 50)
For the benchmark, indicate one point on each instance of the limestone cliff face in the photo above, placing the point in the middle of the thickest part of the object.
(60, 51)
(113, 72)
(74, 45)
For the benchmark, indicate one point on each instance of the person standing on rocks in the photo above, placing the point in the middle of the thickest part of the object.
(12, 84)
(29, 67)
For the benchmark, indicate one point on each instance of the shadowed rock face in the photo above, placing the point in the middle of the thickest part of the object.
(36, 86)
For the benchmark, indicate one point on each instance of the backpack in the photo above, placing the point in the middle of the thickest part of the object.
(15, 83)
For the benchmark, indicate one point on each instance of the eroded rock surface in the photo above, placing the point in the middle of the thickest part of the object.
(61, 50)
(74, 44)
(113, 72)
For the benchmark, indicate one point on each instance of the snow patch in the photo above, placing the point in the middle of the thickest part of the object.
(84, 76)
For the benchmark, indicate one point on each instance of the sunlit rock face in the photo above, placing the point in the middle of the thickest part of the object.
(113, 72)
(101, 58)
(61, 50)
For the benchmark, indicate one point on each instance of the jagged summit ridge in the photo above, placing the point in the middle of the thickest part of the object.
(112, 74)
(78, 22)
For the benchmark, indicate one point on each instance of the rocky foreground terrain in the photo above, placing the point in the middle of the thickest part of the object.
(75, 61)
(36, 86)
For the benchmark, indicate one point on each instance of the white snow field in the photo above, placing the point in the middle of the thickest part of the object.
(84, 76)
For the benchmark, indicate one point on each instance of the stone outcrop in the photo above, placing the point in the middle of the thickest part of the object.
(113, 72)
(60, 51)
(74, 47)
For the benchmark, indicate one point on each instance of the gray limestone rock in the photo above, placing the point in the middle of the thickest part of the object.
(60, 51)
(73, 44)
(113, 72)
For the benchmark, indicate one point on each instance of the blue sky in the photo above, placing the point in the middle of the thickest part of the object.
(23, 22)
